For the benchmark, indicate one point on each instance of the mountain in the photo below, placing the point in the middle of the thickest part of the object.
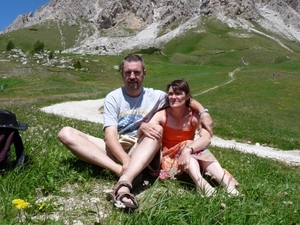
(111, 27)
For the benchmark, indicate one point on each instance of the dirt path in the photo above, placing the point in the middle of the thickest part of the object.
(231, 79)
(291, 157)
(89, 111)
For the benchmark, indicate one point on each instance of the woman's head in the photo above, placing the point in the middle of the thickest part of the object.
(178, 87)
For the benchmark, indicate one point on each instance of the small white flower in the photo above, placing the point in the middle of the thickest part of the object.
(223, 206)
(146, 183)
(119, 204)
(94, 200)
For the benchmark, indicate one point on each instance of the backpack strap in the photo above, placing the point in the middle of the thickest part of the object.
(20, 153)
(6, 138)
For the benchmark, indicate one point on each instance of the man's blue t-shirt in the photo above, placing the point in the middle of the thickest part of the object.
(128, 113)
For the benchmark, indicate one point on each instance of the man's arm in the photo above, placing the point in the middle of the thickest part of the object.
(205, 119)
(112, 142)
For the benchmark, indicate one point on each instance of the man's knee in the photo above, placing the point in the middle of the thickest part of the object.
(65, 134)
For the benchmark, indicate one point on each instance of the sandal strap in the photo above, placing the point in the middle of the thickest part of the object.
(119, 185)
(115, 195)
(126, 195)
(122, 195)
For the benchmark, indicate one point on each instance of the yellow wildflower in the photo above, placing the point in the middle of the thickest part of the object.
(42, 206)
(20, 204)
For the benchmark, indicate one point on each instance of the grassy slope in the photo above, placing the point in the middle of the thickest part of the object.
(55, 36)
(256, 106)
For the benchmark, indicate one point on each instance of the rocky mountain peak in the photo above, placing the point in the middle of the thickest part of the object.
(137, 22)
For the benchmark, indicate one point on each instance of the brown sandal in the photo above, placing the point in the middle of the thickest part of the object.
(116, 197)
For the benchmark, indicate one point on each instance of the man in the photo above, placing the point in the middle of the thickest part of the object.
(125, 110)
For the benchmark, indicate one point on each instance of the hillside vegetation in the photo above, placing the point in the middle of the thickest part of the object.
(254, 101)
(55, 35)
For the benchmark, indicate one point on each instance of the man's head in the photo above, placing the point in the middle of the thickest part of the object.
(132, 58)
(133, 72)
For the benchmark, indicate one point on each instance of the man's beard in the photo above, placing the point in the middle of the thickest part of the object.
(132, 85)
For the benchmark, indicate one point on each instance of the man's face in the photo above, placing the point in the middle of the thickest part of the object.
(133, 76)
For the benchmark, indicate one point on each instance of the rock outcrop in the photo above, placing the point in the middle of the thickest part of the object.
(126, 22)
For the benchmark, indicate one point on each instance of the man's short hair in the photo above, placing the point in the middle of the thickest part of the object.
(132, 58)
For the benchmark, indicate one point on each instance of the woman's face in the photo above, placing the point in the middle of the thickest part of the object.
(177, 98)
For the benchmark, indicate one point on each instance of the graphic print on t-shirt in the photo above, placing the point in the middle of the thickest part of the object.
(130, 121)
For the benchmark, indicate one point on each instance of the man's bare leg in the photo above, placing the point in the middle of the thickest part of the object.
(140, 159)
(88, 149)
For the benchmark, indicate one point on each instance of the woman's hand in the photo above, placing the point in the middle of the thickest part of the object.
(184, 160)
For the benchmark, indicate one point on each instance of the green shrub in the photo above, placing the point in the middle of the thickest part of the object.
(10, 45)
(51, 55)
(77, 65)
(38, 47)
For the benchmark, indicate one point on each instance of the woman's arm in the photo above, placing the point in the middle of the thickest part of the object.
(200, 143)
(193, 146)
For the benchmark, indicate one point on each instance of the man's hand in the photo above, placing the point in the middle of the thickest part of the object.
(151, 130)
(116, 149)
(125, 166)
(207, 122)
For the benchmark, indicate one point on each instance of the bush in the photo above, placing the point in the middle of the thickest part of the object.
(38, 47)
(150, 51)
(10, 45)
(51, 55)
(77, 65)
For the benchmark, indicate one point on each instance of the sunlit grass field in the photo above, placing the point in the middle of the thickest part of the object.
(254, 103)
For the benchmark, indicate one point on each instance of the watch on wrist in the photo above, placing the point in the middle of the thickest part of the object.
(203, 111)
(189, 147)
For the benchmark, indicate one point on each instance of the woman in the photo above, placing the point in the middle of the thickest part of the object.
(181, 153)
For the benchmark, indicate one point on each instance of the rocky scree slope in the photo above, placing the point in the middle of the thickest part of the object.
(123, 25)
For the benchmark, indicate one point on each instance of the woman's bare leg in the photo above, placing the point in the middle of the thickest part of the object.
(195, 174)
(215, 169)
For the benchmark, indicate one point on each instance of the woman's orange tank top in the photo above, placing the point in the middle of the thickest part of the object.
(172, 137)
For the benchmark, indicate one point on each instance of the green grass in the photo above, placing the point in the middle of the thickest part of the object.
(55, 36)
(262, 96)
(251, 106)
(267, 192)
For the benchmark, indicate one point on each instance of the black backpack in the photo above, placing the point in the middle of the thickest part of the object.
(9, 134)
